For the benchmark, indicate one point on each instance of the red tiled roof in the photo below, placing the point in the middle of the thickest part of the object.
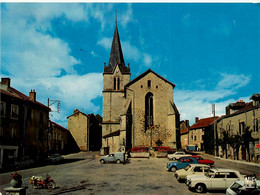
(183, 131)
(203, 122)
(15, 93)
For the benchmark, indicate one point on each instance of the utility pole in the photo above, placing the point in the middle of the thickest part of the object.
(49, 128)
(215, 135)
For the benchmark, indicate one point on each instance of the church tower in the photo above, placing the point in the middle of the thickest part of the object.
(115, 76)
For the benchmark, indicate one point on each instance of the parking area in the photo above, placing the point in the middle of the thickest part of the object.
(139, 176)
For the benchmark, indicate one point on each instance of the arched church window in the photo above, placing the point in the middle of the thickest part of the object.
(148, 110)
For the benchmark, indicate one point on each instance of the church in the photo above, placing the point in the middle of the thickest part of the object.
(136, 113)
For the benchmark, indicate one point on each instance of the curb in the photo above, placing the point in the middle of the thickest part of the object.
(235, 161)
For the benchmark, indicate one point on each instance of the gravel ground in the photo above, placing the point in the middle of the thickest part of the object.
(88, 176)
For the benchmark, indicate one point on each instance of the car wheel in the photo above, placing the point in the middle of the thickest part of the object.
(173, 169)
(200, 188)
(102, 161)
(118, 161)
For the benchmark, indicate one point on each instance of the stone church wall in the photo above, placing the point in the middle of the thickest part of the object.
(162, 95)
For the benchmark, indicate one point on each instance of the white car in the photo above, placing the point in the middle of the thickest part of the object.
(220, 180)
(239, 187)
(177, 155)
(192, 169)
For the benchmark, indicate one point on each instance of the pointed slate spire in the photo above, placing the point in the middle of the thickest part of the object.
(116, 55)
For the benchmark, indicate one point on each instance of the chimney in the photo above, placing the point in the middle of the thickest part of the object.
(32, 95)
(187, 123)
(227, 111)
(6, 82)
(196, 119)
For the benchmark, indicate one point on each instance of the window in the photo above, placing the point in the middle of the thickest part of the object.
(242, 126)
(13, 132)
(118, 83)
(148, 110)
(198, 169)
(255, 125)
(114, 83)
(14, 111)
(232, 175)
(195, 137)
(149, 83)
(220, 175)
(41, 118)
(29, 114)
(3, 109)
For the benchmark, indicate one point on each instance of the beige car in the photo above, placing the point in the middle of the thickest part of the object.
(192, 169)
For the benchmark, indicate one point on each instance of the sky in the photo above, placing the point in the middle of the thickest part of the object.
(210, 51)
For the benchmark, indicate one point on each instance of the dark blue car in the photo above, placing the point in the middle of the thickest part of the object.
(181, 163)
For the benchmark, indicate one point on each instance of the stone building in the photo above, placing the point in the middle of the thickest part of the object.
(60, 140)
(197, 131)
(23, 125)
(242, 118)
(86, 129)
(184, 133)
(140, 112)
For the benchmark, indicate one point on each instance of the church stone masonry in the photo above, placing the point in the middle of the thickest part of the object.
(136, 113)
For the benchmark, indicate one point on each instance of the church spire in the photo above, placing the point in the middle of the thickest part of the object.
(116, 54)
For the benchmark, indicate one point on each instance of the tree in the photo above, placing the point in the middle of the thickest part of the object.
(246, 138)
(224, 140)
(235, 142)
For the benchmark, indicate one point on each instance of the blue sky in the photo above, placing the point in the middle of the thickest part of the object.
(209, 50)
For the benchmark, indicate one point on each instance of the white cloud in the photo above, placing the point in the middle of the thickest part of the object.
(233, 81)
(105, 42)
(147, 60)
(127, 16)
(34, 57)
(198, 103)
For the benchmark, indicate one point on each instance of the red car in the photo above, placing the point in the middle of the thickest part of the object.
(203, 161)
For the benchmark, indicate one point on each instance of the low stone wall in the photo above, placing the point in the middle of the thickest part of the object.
(140, 154)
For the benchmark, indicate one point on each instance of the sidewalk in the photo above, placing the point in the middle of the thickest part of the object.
(231, 160)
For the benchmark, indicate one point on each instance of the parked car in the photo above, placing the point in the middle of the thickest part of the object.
(220, 180)
(241, 187)
(177, 155)
(55, 158)
(181, 163)
(192, 169)
(118, 157)
(203, 161)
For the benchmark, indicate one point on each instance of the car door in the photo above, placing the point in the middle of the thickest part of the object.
(218, 181)
(111, 158)
(198, 170)
(231, 177)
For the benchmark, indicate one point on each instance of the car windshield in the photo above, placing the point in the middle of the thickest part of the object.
(235, 187)
(186, 168)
